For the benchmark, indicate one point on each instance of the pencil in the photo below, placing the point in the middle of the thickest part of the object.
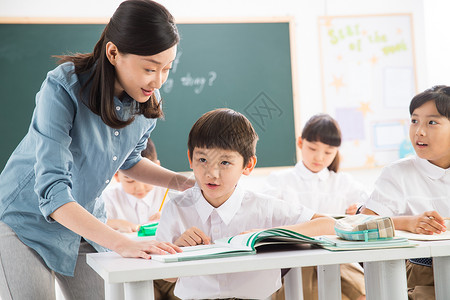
(162, 203)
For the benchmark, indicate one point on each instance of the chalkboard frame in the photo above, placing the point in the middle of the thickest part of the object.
(293, 59)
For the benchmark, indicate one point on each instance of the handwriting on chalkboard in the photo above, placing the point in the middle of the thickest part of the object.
(197, 83)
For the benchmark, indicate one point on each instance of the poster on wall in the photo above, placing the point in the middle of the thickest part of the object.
(368, 79)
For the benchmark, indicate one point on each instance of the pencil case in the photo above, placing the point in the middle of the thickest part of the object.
(364, 228)
(148, 229)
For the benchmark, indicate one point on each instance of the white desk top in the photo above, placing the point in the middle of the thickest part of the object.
(115, 269)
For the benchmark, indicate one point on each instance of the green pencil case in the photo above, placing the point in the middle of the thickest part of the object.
(148, 229)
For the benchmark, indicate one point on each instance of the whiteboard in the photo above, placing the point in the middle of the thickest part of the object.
(368, 78)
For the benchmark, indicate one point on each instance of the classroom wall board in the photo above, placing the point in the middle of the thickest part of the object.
(244, 65)
(368, 80)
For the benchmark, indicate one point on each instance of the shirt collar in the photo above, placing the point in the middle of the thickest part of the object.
(432, 171)
(131, 199)
(306, 174)
(226, 211)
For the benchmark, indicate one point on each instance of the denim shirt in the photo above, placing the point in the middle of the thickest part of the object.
(69, 154)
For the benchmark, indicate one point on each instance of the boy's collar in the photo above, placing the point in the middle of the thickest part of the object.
(429, 169)
(226, 211)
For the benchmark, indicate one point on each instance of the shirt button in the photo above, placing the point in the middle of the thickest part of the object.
(114, 158)
(117, 107)
(116, 133)
(107, 181)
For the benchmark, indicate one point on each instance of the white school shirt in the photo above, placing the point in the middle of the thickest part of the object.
(411, 186)
(325, 192)
(121, 205)
(244, 210)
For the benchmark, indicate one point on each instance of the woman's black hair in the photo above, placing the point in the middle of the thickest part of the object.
(441, 96)
(139, 27)
(323, 128)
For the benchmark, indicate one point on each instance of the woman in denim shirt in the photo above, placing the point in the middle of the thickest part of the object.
(93, 115)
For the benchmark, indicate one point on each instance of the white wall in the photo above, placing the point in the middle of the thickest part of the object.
(430, 26)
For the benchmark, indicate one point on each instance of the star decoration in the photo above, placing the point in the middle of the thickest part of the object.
(337, 83)
(370, 161)
(364, 108)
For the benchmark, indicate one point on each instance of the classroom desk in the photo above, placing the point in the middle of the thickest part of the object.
(385, 274)
(440, 251)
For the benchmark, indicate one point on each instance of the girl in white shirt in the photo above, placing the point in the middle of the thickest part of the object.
(415, 191)
(316, 183)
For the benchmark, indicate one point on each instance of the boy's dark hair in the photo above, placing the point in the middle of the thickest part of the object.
(150, 151)
(139, 27)
(441, 96)
(323, 128)
(225, 129)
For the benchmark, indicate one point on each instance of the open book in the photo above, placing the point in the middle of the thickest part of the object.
(243, 244)
(246, 244)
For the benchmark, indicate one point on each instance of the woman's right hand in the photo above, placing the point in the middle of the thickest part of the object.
(144, 249)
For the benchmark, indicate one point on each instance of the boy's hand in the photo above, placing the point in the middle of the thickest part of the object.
(351, 210)
(428, 223)
(191, 237)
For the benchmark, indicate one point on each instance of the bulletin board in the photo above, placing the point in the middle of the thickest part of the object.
(368, 79)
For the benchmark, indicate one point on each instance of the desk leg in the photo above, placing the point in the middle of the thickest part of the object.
(329, 282)
(114, 291)
(385, 280)
(293, 286)
(139, 290)
(441, 267)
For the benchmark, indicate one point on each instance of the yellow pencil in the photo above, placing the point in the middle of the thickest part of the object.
(162, 203)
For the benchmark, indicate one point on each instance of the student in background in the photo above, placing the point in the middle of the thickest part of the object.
(131, 203)
(221, 148)
(415, 191)
(93, 115)
(316, 183)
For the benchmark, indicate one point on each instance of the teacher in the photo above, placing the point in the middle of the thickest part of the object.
(93, 115)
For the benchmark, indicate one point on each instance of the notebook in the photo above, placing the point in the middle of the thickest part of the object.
(424, 237)
(335, 243)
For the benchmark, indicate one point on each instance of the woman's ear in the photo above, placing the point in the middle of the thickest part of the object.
(112, 53)
(250, 165)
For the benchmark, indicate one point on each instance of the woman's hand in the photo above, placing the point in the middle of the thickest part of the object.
(144, 249)
(191, 237)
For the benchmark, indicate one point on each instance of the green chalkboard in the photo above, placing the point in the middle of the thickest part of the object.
(243, 66)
